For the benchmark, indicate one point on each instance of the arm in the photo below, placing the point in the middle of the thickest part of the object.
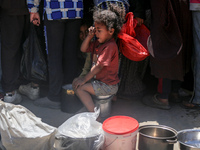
(86, 42)
(33, 6)
(94, 70)
(87, 65)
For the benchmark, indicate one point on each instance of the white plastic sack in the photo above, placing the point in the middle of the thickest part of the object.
(22, 130)
(81, 131)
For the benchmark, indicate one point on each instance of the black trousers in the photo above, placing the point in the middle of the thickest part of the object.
(166, 86)
(62, 37)
(14, 30)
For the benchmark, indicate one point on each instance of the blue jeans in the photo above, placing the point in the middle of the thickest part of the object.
(196, 38)
(1, 89)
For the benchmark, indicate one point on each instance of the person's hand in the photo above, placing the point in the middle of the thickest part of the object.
(77, 82)
(91, 31)
(35, 18)
(140, 21)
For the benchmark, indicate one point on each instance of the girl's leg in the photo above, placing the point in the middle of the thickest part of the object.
(84, 93)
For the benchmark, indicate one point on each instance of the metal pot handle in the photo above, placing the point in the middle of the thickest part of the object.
(171, 141)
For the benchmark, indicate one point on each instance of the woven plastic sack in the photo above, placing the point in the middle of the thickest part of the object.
(21, 130)
(129, 46)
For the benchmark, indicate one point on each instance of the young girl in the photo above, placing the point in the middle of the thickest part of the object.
(102, 79)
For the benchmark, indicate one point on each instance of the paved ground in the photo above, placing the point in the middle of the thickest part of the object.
(177, 118)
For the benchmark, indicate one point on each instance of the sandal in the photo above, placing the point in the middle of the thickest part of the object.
(152, 101)
(188, 105)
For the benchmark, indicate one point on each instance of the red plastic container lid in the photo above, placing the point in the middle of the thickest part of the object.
(120, 125)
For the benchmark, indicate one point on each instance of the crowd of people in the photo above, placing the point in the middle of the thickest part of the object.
(82, 49)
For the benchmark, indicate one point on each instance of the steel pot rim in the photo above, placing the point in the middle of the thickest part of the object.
(161, 127)
(187, 145)
(186, 130)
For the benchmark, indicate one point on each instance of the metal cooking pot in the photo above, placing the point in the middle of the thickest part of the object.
(156, 137)
(104, 103)
(69, 143)
(189, 139)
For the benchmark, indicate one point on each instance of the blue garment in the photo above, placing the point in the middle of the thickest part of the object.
(1, 89)
(57, 9)
(196, 38)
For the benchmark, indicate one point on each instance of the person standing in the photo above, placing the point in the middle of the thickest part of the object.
(131, 72)
(195, 100)
(14, 29)
(62, 20)
(170, 48)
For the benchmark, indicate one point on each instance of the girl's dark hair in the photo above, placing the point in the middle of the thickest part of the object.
(113, 17)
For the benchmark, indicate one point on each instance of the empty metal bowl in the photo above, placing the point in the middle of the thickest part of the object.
(189, 139)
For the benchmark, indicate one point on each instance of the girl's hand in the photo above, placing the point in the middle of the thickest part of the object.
(78, 82)
(91, 31)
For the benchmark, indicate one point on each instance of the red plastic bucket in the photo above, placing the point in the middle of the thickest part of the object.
(120, 132)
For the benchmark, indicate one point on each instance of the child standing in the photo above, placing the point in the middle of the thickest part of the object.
(103, 78)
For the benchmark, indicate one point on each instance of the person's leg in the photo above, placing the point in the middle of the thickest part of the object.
(164, 89)
(12, 28)
(174, 95)
(196, 38)
(1, 89)
(71, 44)
(55, 35)
(160, 100)
(84, 93)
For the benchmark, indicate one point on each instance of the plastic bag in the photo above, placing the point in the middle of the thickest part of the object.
(142, 35)
(33, 62)
(81, 130)
(129, 46)
(22, 130)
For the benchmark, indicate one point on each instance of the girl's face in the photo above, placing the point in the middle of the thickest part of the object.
(103, 35)
(83, 32)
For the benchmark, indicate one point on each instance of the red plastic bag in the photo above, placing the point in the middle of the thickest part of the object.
(129, 46)
(142, 34)
(130, 24)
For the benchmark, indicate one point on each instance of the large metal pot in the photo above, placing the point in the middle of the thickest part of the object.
(156, 137)
(189, 139)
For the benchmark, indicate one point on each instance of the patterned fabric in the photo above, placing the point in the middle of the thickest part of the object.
(102, 89)
(58, 9)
